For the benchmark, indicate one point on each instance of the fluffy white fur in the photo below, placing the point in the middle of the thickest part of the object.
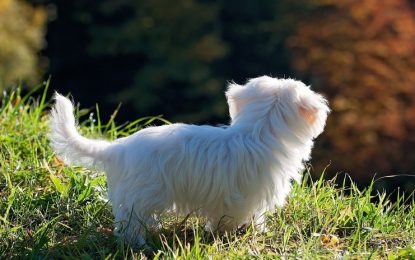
(230, 175)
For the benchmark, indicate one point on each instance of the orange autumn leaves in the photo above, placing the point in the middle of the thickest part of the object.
(361, 54)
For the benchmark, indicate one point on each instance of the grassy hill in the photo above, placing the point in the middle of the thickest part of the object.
(49, 210)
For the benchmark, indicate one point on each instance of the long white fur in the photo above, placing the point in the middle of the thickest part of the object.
(230, 175)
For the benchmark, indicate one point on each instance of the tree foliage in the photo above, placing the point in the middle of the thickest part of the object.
(177, 44)
(164, 57)
(361, 54)
(22, 29)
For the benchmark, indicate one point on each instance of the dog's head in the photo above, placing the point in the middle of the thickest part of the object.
(279, 100)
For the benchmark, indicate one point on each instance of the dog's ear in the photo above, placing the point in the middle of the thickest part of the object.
(308, 108)
(233, 96)
(308, 114)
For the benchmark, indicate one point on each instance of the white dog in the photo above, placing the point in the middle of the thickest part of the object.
(229, 175)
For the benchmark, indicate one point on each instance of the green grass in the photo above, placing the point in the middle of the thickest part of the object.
(48, 210)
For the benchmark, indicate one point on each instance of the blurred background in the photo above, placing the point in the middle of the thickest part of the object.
(175, 58)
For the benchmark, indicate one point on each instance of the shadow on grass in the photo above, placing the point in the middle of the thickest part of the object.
(178, 238)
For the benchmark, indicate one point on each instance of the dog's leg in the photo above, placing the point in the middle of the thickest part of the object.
(130, 227)
(221, 224)
(260, 223)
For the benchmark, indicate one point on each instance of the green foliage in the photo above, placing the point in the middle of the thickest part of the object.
(22, 29)
(48, 210)
(176, 45)
(164, 57)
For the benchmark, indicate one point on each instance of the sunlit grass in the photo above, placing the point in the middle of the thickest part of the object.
(51, 210)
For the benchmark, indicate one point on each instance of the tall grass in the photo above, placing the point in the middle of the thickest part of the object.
(49, 210)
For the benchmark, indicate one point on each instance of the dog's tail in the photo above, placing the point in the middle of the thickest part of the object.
(67, 142)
